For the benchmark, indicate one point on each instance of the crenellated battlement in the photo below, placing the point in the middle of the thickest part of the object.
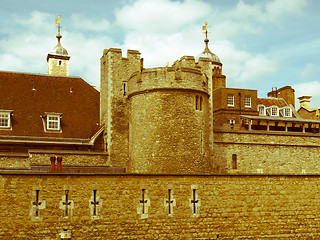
(184, 74)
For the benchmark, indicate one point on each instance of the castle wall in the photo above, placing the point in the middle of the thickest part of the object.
(226, 207)
(42, 157)
(267, 152)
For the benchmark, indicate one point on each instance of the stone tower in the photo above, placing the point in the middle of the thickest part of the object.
(169, 121)
(114, 107)
(58, 58)
(159, 120)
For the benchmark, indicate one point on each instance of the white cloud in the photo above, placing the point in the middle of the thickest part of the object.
(309, 71)
(241, 66)
(81, 21)
(247, 18)
(165, 16)
(309, 89)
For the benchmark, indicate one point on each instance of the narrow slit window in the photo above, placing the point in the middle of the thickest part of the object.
(234, 161)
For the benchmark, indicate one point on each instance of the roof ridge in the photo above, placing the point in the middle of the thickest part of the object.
(39, 74)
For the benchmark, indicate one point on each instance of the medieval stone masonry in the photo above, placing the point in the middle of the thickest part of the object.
(160, 153)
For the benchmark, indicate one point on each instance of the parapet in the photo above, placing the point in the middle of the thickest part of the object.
(117, 52)
(184, 74)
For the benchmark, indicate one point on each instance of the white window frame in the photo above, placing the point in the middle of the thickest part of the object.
(53, 119)
(264, 110)
(230, 100)
(5, 117)
(284, 109)
(247, 101)
(271, 111)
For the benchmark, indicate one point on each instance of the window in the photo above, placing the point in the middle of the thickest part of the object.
(247, 101)
(53, 121)
(199, 102)
(5, 119)
(230, 100)
(232, 121)
(234, 161)
(262, 110)
(274, 111)
(287, 112)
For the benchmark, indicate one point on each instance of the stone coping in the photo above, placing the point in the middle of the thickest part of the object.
(28, 172)
(66, 152)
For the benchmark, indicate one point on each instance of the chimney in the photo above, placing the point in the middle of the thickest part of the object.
(53, 163)
(304, 102)
(59, 163)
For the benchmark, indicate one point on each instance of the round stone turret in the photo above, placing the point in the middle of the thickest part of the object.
(169, 122)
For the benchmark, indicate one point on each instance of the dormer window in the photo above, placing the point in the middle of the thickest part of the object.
(5, 119)
(287, 112)
(274, 111)
(262, 110)
(52, 121)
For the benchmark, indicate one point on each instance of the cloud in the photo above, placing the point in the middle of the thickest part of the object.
(309, 89)
(309, 71)
(163, 16)
(80, 21)
(253, 18)
(241, 66)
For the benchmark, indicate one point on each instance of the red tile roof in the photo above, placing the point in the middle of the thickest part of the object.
(30, 96)
(268, 102)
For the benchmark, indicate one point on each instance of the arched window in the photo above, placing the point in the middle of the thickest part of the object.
(262, 110)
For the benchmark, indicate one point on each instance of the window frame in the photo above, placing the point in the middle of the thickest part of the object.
(284, 112)
(230, 97)
(246, 98)
(264, 110)
(271, 111)
(55, 120)
(5, 116)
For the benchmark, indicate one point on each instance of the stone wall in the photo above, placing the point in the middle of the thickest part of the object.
(42, 157)
(268, 152)
(136, 206)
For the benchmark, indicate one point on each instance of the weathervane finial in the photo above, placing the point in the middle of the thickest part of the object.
(205, 29)
(58, 21)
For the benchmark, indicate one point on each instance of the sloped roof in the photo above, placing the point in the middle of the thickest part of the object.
(30, 96)
(268, 102)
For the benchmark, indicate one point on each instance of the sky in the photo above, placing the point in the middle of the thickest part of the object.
(262, 44)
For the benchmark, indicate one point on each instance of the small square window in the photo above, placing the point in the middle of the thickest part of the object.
(230, 100)
(247, 101)
(5, 119)
(53, 122)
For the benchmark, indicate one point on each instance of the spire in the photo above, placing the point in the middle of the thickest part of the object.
(206, 52)
(58, 59)
(206, 49)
